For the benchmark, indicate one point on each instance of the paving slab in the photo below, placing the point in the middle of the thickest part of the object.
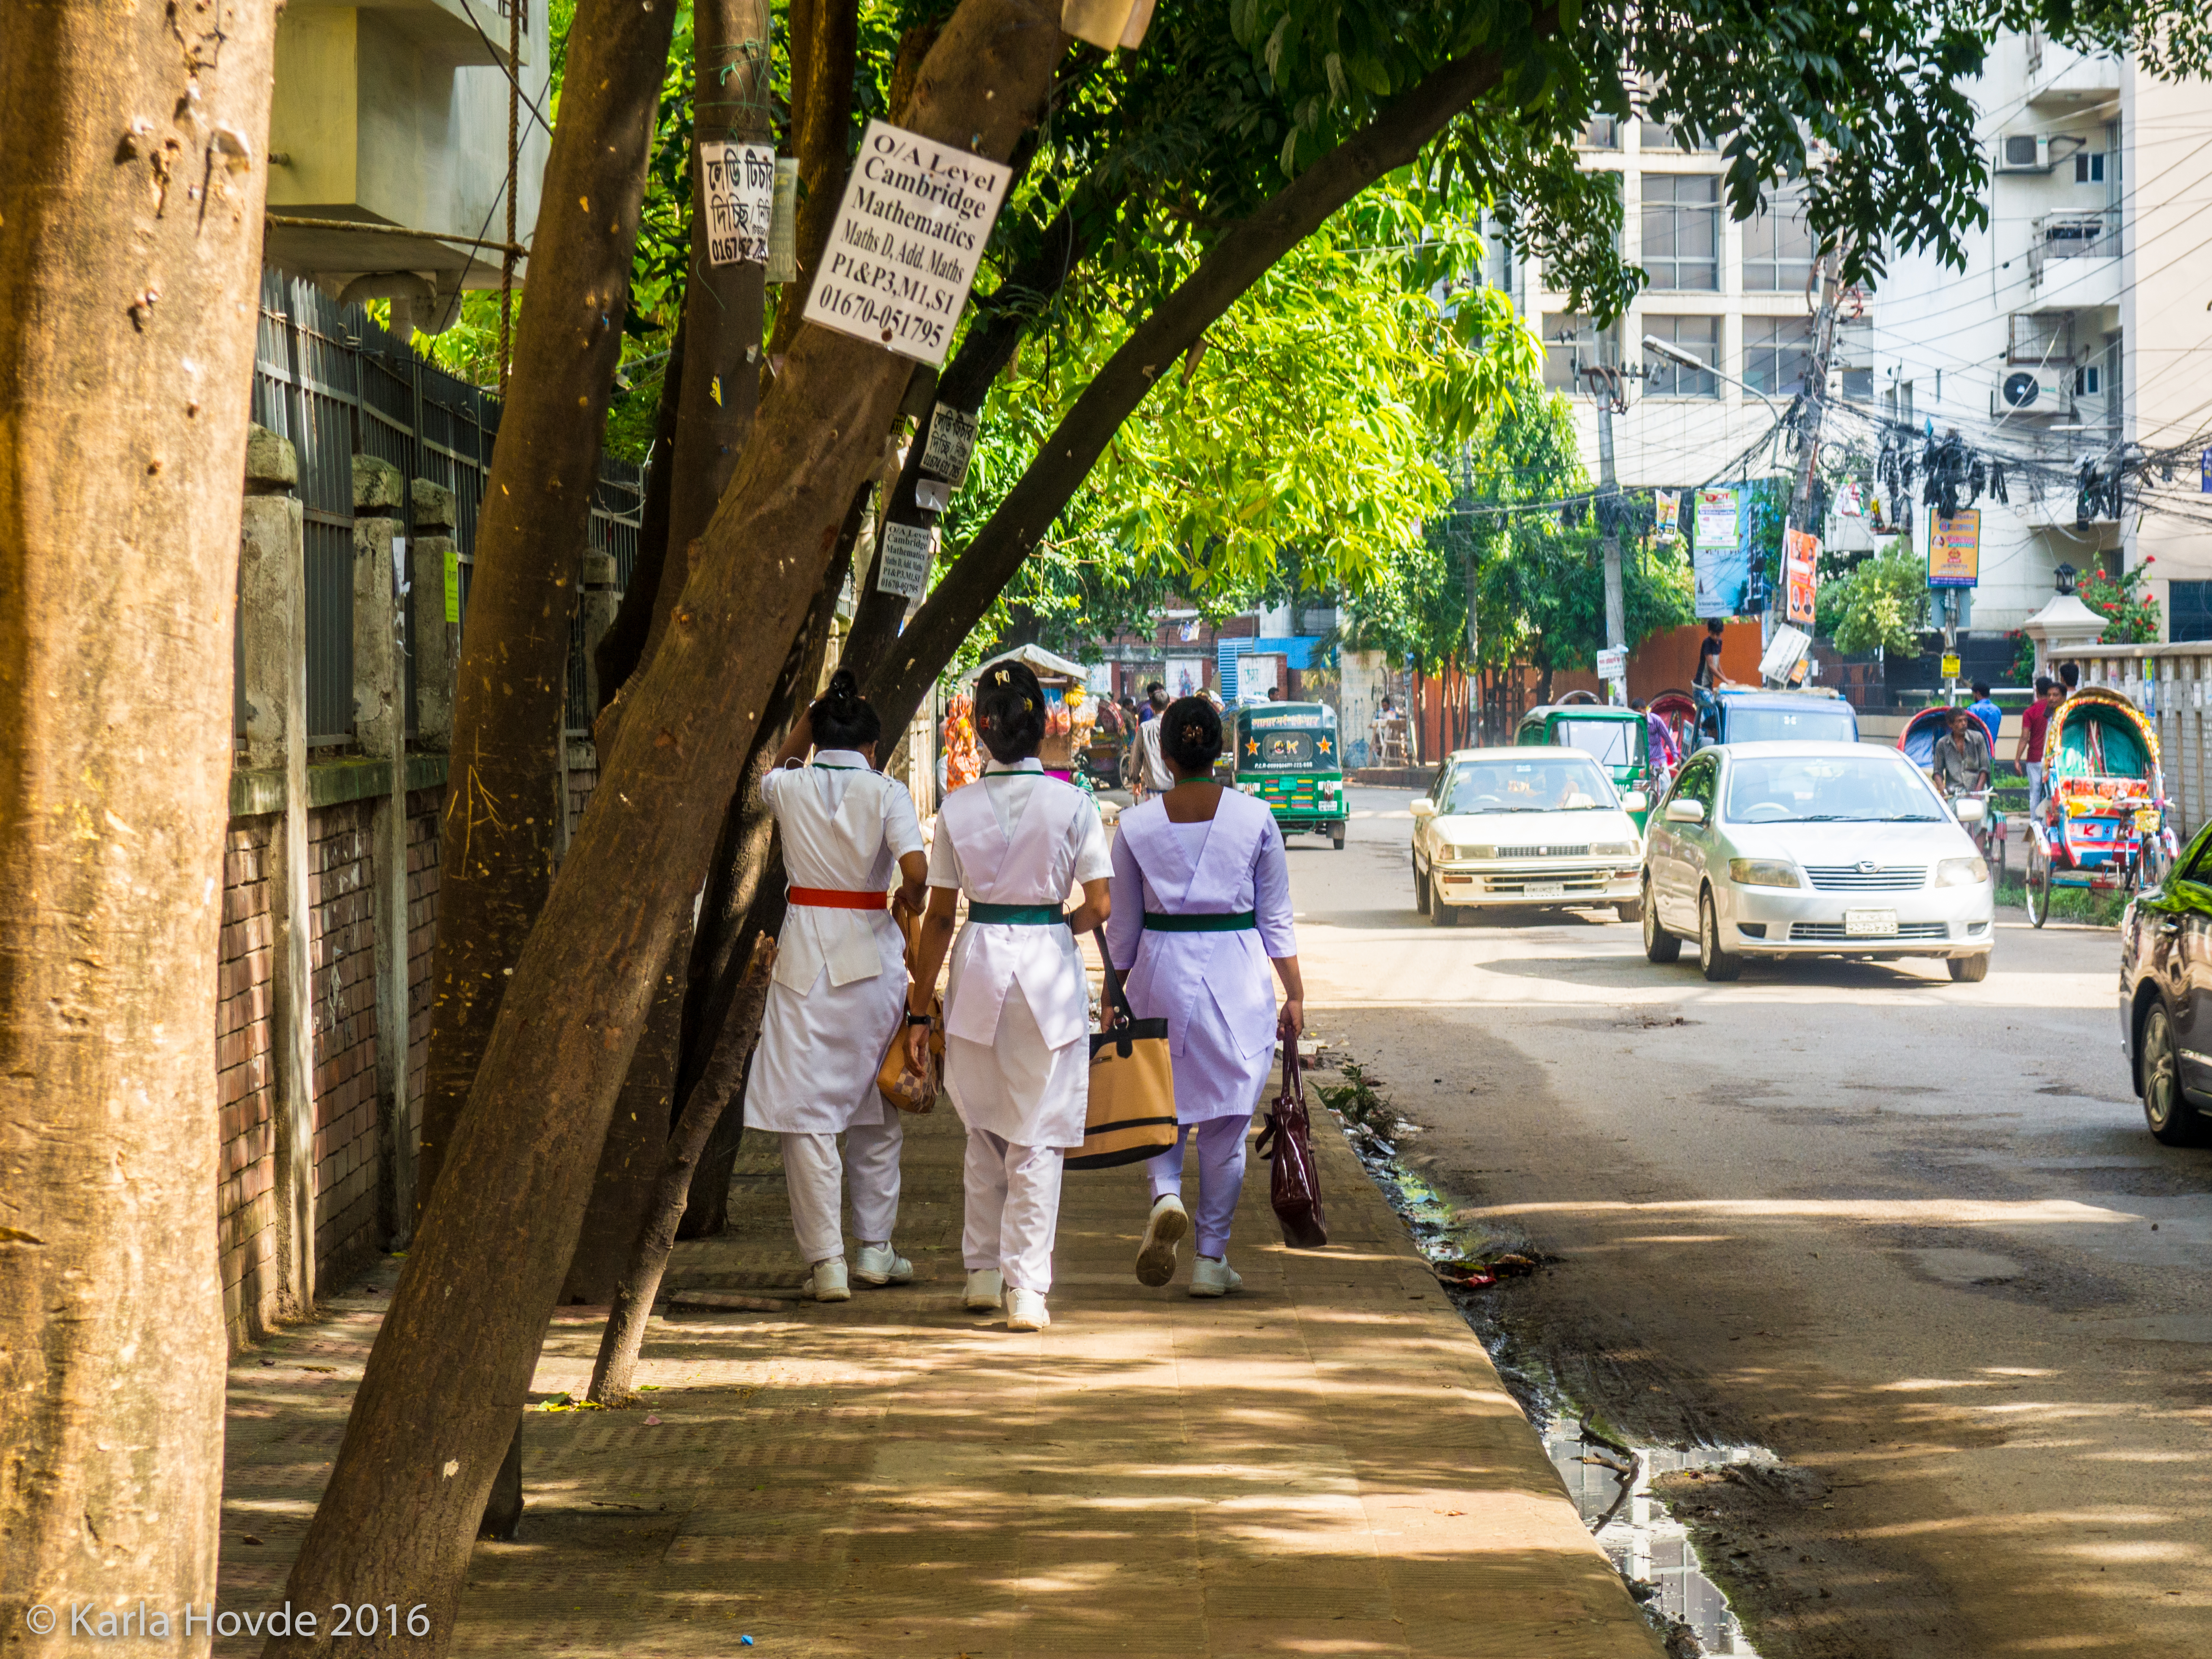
(1324, 1464)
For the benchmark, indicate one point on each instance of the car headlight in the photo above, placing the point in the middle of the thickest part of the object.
(1763, 872)
(1615, 849)
(1961, 872)
(1474, 852)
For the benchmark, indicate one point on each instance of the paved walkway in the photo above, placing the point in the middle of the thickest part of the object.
(1323, 1465)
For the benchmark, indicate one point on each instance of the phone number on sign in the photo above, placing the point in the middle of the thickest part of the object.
(130, 1624)
(897, 324)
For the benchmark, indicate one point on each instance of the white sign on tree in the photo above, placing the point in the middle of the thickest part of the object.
(908, 551)
(738, 184)
(909, 233)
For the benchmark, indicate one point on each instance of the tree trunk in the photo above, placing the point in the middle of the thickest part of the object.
(454, 1359)
(621, 647)
(130, 261)
(825, 45)
(497, 843)
(1239, 259)
(614, 1373)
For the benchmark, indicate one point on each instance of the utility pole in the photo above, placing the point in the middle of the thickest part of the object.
(1829, 271)
(1606, 384)
(1474, 631)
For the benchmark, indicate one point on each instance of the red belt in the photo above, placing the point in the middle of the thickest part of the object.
(832, 898)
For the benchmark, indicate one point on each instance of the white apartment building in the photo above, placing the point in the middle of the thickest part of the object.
(2078, 331)
(1736, 294)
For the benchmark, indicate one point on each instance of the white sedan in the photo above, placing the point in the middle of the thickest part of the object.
(1532, 825)
(1782, 849)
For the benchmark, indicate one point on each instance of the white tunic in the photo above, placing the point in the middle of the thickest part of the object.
(838, 993)
(1017, 1008)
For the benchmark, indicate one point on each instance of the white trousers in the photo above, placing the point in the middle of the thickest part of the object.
(813, 1172)
(1220, 1176)
(1012, 1209)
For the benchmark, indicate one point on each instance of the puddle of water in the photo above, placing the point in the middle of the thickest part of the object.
(1611, 1483)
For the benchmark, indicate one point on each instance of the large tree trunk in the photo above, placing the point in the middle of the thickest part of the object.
(496, 844)
(621, 647)
(825, 45)
(130, 261)
(1240, 258)
(454, 1360)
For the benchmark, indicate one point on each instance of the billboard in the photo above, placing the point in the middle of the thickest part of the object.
(1955, 549)
(1801, 558)
(1718, 553)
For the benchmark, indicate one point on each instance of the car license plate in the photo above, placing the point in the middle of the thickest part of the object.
(1870, 924)
(1545, 889)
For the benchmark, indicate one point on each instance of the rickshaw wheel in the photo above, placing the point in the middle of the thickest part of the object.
(2038, 885)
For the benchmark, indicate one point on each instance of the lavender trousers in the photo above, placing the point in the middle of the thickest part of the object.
(1220, 1176)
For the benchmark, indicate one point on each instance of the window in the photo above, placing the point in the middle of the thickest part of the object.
(1655, 135)
(2088, 169)
(1777, 246)
(1600, 132)
(2088, 381)
(1699, 335)
(2189, 609)
(1777, 354)
(1571, 343)
(1682, 231)
(1698, 783)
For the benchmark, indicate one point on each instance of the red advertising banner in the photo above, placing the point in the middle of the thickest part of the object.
(1800, 556)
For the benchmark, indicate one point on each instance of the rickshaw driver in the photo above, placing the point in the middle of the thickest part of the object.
(1962, 755)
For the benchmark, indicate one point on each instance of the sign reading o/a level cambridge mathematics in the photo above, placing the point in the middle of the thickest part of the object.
(909, 233)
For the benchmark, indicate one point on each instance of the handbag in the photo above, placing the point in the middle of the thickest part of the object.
(1293, 1187)
(1131, 1112)
(897, 1080)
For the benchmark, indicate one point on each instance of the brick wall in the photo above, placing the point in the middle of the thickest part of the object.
(245, 1215)
(341, 941)
(424, 807)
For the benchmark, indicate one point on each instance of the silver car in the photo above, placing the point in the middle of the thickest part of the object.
(1782, 849)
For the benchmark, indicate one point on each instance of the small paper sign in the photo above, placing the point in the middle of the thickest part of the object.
(1612, 663)
(737, 184)
(783, 223)
(904, 566)
(951, 442)
(454, 585)
(932, 494)
(908, 236)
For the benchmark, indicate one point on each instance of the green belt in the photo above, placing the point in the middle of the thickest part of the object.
(1204, 921)
(1018, 916)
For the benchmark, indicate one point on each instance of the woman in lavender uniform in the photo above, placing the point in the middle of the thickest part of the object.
(1202, 908)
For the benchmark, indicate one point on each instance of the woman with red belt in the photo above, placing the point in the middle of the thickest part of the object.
(838, 994)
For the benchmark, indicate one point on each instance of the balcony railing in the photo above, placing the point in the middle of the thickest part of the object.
(2072, 236)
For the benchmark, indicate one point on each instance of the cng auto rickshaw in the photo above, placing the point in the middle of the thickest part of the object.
(1617, 738)
(1286, 754)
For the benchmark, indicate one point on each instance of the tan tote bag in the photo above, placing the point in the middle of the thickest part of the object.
(1132, 1115)
(895, 1078)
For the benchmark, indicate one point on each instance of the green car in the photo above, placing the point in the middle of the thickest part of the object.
(1617, 738)
(1286, 754)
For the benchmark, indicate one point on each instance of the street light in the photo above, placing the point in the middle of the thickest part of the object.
(1675, 354)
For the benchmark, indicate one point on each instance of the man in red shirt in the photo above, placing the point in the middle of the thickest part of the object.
(2034, 721)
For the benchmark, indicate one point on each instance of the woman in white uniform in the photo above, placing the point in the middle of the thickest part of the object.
(1017, 1011)
(837, 997)
(1201, 908)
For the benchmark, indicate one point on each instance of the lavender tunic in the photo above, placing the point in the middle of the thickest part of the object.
(1216, 990)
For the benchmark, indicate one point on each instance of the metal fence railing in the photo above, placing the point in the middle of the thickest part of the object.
(337, 384)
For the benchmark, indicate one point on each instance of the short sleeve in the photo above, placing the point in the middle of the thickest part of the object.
(1271, 894)
(901, 826)
(943, 862)
(771, 784)
(1093, 862)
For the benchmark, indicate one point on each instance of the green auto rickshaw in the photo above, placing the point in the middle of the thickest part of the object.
(1617, 738)
(1286, 755)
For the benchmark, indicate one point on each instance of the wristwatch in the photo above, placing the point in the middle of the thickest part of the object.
(913, 1018)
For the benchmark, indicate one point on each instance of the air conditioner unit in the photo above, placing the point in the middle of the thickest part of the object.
(2035, 152)
(2033, 392)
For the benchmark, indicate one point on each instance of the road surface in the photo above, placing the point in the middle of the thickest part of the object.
(1909, 1234)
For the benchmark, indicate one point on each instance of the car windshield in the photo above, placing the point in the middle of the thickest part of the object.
(1610, 743)
(1818, 723)
(1877, 788)
(1556, 783)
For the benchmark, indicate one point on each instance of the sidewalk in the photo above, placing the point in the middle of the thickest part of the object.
(1323, 1465)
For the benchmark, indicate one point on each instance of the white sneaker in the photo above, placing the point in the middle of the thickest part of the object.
(986, 1289)
(1156, 1256)
(1212, 1275)
(1025, 1311)
(828, 1282)
(880, 1264)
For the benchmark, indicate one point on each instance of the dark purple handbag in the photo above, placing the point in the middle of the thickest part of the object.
(1287, 1143)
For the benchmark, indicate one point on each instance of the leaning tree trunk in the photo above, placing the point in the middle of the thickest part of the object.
(130, 262)
(826, 46)
(503, 803)
(1238, 260)
(454, 1360)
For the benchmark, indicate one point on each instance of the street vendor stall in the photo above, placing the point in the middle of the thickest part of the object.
(1070, 712)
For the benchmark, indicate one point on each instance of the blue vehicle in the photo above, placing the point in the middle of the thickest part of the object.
(1743, 715)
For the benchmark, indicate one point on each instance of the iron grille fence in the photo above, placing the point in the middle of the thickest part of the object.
(338, 386)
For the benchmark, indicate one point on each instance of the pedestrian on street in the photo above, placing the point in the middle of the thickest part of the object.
(1152, 775)
(1962, 755)
(2034, 723)
(1660, 740)
(1017, 1007)
(1984, 708)
(838, 990)
(1201, 907)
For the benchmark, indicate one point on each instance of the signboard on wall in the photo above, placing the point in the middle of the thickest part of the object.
(1955, 549)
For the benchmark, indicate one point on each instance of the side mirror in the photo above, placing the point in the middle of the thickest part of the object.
(1425, 808)
(1685, 811)
(1634, 801)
